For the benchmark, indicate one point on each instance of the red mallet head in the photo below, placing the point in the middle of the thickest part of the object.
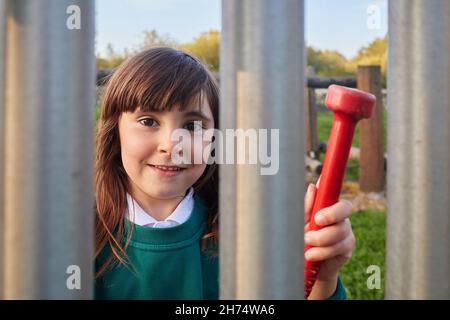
(353, 102)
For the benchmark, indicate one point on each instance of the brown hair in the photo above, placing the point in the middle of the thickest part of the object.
(154, 80)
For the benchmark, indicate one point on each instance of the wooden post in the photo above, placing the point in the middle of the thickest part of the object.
(310, 117)
(371, 162)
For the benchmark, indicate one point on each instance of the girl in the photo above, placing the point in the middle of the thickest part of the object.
(157, 222)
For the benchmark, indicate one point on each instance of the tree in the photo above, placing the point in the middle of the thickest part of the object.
(374, 54)
(206, 47)
(152, 39)
(112, 59)
(327, 62)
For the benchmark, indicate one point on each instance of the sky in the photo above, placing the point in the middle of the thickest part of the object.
(342, 25)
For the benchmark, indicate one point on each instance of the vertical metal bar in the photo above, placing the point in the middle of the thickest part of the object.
(262, 87)
(371, 134)
(2, 132)
(231, 44)
(50, 94)
(418, 238)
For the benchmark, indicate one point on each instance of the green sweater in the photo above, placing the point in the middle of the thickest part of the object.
(168, 264)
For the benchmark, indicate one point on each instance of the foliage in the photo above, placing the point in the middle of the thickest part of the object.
(112, 59)
(150, 39)
(206, 47)
(332, 63)
(374, 54)
(327, 62)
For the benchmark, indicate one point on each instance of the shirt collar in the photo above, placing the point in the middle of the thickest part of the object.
(178, 216)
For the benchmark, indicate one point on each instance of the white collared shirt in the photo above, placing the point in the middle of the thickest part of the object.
(181, 213)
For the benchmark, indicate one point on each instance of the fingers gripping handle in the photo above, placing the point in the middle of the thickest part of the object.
(311, 271)
(350, 106)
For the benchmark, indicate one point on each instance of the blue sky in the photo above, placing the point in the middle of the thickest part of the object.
(343, 25)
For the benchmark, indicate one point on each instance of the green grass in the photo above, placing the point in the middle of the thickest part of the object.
(369, 227)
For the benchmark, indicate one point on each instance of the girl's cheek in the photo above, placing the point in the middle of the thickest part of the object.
(201, 152)
(137, 146)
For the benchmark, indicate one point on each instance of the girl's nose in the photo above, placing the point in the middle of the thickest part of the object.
(166, 143)
(165, 146)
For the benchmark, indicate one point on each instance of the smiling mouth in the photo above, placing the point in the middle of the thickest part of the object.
(167, 168)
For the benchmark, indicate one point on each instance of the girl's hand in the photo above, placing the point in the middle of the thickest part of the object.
(333, 244)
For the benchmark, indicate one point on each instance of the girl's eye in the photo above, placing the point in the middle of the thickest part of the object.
(148, 122)
(194, 126)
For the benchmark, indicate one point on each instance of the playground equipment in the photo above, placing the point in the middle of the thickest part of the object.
(46, 218)
(349, 106)
(261, 87)
(418, 218)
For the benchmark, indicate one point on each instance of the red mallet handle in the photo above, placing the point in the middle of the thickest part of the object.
(349, 106)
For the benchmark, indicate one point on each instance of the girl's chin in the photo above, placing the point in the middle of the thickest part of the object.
(166, 194)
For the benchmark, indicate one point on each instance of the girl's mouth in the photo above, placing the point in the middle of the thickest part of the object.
(167, 171)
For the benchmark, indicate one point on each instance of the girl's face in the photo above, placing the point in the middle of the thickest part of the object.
(145, 140)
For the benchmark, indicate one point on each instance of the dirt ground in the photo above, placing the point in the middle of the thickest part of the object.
(360, 200)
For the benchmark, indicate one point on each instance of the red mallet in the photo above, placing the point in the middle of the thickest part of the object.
(349, 106)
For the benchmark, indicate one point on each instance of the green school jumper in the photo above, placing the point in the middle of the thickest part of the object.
(169, 264)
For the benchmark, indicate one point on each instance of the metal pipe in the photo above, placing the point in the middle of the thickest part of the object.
(2, 132)
(262, 78)
(231, 44)
(50, 94)
(418, 238)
